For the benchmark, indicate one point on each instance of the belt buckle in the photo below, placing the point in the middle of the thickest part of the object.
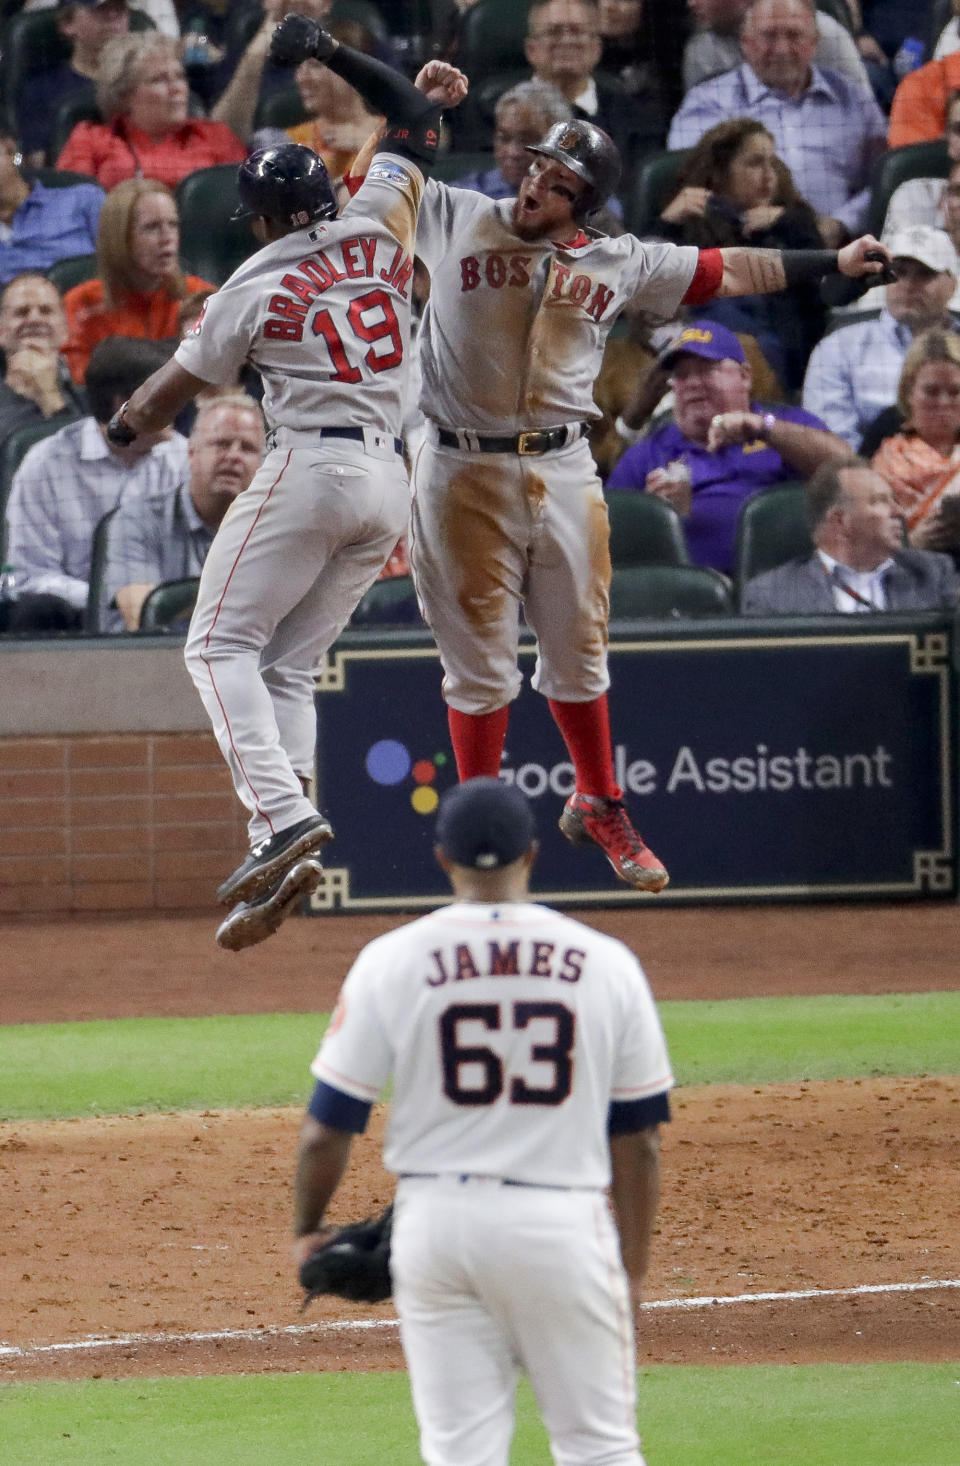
(534, 442)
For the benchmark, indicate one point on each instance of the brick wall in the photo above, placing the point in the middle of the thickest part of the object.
(121, 823)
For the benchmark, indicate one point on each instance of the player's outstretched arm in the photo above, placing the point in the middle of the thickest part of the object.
(413, 118)
(635, 1191)
(764, 271)
(155, 404)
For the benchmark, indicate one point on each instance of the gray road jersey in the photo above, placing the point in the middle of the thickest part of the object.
(513, 334)
(324, 313)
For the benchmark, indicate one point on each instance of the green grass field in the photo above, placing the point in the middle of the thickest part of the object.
(129, 1065)
(882, 1415)
(829, 1415)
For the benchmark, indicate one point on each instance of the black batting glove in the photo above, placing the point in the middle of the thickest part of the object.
(298, 39)
(119, 432)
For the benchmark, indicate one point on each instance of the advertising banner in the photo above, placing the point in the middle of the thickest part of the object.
(805, 766)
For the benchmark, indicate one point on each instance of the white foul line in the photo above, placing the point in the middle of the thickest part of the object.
(13, 1351)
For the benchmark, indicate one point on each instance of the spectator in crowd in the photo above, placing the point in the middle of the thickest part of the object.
(139, 285)
(521, 117)
(69, 481)
(921, 463)
(918, 113)
(828, 130)
(37, 385)
(854, 371)
(628, 43)
(563, 48)
(143, 98)
(715, 47)
(243, 81)
(339, 120)
(86, 26)
(40, 225)
(158, 535)
(729, 446)
(921, 200)
(859, 563)
(733, 190)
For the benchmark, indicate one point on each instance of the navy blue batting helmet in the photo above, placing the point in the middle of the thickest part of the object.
(288, 183)
(588, 152)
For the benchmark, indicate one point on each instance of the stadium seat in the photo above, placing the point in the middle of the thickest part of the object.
(387, 603)
(652, 186)
(169, 606)
(56, 177)
(212, 244)
(644, 530)
(772, 529)
(492, 35)
(668, 591)
(915, 160)
(73, 271)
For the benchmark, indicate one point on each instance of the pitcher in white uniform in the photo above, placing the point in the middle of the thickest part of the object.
(322, 312)
(530, 1074)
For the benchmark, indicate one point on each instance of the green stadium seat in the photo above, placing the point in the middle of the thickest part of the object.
(668, 591)
(644, 530)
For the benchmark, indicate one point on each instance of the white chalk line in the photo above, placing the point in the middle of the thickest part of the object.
(125, 1341)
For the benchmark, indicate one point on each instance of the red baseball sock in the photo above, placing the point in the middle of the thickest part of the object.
(586, 732)
(478, 740)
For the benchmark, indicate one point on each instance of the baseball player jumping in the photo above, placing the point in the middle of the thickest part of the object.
(529, 1073)
(323, 313)
(508, 506)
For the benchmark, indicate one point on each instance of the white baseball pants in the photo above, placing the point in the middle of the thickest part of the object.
(293, 556)
(491, 532)
(491, 1279)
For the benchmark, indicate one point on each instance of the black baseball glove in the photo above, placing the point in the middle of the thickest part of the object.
(354, 1264)
(297, 38)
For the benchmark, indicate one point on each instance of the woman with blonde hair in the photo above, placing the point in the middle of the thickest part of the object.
(921, 463)
(142, 94)
(139, 283)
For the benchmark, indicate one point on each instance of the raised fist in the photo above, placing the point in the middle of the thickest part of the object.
(298, 39)
(118, 430)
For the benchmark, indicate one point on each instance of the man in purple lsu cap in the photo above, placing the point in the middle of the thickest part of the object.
(731, 447)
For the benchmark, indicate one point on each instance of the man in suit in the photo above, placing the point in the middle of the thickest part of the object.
(859, 563)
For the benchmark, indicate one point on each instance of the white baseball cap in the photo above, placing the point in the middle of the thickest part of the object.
(932, 247)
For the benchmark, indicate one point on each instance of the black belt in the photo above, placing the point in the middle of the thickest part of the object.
(532, 442)
(356, 434)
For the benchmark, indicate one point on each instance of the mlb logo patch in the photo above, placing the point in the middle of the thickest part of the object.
(389, 172)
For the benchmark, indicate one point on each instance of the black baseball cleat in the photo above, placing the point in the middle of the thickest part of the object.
(272, 858)
(251, 922)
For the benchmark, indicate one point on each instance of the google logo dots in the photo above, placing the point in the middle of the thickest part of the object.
(389, 762)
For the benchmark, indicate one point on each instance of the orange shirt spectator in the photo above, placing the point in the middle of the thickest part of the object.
(139, 286)
(143, 96)
(918, 113)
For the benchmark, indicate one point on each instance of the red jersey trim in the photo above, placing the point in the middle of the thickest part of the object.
(706, 278)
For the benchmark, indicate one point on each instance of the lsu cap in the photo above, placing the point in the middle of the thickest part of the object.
(704, 338)
(484, 824)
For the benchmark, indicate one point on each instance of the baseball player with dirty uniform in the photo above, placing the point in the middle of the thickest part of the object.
(322, 312)
(508, 506)
(530, 1074)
